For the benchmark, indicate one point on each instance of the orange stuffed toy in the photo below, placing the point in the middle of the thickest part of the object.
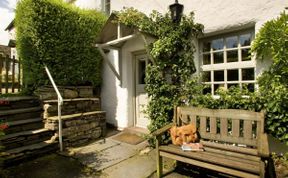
(184, 134)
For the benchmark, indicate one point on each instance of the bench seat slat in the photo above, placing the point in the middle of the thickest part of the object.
(234, 154)
(229, 139)
(220, 160)
(249, 151)
(209, 165)
(221, 154)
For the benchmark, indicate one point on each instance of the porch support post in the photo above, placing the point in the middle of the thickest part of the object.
(119, 40)
(109, 63)
(119, 31)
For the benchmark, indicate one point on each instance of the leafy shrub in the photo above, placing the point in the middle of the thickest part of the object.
(60, 36)
(272, 40)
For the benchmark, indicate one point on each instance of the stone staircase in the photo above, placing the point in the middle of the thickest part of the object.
(25, 136)
(33, 125)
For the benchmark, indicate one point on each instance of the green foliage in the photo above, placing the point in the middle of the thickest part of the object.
(61, 36)
(273, 39)
(172, 57)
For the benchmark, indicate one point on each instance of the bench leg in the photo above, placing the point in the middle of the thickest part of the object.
(159, 166)
(159, 158)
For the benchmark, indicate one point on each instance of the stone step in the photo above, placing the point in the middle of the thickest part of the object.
(18, 102)
(71, 106)
(24, 125)
(20, 113)
(23, 138)
(79, 128)
(17, 155)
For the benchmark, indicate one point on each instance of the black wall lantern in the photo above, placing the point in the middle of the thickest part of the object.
(176, 10)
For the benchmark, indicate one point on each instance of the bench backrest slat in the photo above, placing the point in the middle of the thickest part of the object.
(225, 125)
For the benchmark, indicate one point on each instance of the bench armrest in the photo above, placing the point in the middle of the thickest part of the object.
(162, 130)
(263, 145)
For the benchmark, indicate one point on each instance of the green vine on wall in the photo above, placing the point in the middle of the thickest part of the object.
(173, 60)
(272, 40)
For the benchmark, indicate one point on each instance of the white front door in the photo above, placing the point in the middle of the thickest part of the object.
(141, 96)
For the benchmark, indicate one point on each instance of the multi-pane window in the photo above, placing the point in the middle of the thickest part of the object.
(226, 61)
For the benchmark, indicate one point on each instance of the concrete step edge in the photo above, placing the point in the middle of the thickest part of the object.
(70, 116)
(19, 111)
(24, 133)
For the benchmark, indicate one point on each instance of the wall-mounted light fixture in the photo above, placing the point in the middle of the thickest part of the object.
(176, 10)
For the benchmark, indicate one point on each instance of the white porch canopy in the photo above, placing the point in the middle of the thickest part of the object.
(113, 36)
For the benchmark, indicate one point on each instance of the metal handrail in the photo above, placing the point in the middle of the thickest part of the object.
(60, 103)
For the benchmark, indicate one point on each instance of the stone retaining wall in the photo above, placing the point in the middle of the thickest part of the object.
(71, 106)
(79, 128)
(48, 92)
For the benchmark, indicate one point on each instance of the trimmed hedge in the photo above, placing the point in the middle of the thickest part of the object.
(61, 36)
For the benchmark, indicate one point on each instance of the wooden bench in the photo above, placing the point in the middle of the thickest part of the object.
(234, 141)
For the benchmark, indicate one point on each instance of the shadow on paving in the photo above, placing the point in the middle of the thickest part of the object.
(50, 166)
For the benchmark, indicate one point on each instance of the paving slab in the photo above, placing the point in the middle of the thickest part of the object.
(137, 166)
(99, 160)
(98, 146)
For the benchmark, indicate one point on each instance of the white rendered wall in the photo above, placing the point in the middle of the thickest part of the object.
(215, 15)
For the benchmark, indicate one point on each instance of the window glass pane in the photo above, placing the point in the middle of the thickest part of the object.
(219, 75)
(248, 74)
(206, 76)
(217, 44)
(245, 40)
(206, 59)
(231, 42)
(218, 57)
(232, 75)
(232, 56)
(141, 72)
(246, 54)
(206, 46)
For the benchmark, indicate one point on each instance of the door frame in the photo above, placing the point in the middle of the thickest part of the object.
(134, 83)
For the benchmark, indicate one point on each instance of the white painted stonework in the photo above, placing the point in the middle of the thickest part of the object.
(217, 16)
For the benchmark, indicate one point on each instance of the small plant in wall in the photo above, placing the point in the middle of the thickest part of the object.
(172, 60)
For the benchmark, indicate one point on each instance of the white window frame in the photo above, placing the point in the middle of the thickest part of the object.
(225, 66)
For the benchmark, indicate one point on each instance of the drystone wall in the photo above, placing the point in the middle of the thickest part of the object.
(78, 129)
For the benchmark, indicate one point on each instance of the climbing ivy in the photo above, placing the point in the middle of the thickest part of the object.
(172, 60)
(272, 40)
